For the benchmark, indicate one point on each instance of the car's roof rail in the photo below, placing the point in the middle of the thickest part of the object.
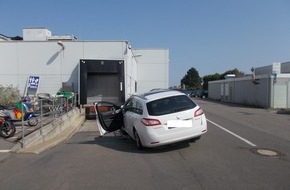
(154, 91)
(140, 96)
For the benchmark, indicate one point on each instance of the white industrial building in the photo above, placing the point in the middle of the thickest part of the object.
(267, 87)
(55, 62)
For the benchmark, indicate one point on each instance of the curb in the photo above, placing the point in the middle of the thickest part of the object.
(52, 135)
(64, 135)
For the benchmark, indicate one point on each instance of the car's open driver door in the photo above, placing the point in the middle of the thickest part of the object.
(109, 117)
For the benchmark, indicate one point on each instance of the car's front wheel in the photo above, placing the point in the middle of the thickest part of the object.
(138, 141)
(123, 132)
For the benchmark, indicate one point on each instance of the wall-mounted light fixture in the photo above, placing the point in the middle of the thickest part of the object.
(254, 80)
(60, 44)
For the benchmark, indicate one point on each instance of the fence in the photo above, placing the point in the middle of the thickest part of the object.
(43, 111)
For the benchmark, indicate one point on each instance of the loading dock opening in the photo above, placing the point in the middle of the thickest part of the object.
(101, 80)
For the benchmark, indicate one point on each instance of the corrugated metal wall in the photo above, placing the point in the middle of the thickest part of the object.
(268, 93)
(288, 95)
(242, 91)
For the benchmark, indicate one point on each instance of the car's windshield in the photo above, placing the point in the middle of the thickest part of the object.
(169, 105)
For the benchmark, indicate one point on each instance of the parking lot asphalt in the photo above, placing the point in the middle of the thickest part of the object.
(5, 145)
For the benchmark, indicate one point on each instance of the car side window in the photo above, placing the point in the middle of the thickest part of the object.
(128, 106)
(134, 106)
(138, 108)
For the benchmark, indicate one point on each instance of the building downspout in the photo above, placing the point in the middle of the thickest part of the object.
(271, 91)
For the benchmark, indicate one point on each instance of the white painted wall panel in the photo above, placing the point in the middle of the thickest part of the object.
(146, 86)
(106, 49)
(130, 75)
(153, 69)
(39, 58)
(280, 98)
(152, 72)
(152, 55)
(288, 95)
(8, 61)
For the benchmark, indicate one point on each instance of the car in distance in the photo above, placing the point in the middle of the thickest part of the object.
(194, 93)
(187, 92)
(203, 94)
(156, 118)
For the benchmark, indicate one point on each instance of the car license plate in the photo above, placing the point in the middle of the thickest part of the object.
(179, 123)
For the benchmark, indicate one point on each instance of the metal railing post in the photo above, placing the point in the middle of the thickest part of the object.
(22, 122)
(41, 114)
(53, 111)
(61, 106)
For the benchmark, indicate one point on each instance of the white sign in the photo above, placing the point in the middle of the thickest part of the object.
(33, 82)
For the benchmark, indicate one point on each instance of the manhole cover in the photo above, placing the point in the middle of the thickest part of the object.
(266, 152)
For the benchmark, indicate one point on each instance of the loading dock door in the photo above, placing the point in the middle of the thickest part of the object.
(102, 87)
(101, 80)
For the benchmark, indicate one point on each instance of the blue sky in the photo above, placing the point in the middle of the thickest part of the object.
(212, 36)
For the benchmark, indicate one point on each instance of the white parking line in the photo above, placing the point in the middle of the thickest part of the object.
(234, 134)
(4, 151)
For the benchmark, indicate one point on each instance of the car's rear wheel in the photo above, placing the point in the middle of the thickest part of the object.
(138, 141)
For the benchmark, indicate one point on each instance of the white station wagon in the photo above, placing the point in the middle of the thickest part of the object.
(153, 119)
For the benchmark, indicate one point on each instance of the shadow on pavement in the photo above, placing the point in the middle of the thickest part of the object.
(126, 144)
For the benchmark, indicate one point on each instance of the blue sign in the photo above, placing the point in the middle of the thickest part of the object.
(33, 82)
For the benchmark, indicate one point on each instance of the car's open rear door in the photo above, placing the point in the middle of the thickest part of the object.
(109, 117)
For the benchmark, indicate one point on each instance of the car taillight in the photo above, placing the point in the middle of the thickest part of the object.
(198, 112)
(150, 122)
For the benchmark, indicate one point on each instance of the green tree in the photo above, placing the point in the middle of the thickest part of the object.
(234, 71)
(217, 76)
(208, 78)
(191, 80)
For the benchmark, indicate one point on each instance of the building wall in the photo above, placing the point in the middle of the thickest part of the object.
(285, 67)
(270, 92)
(55, 65)
(281, 93)
(242, 91)
(152, 69)
(264, 70)
(36, 34)
(131, 74)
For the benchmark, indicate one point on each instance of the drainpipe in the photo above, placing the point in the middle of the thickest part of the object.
(271, 86)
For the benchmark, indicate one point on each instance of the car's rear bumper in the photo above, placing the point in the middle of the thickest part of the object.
(153, 139)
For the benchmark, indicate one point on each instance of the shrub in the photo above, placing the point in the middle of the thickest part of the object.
(9, 95)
